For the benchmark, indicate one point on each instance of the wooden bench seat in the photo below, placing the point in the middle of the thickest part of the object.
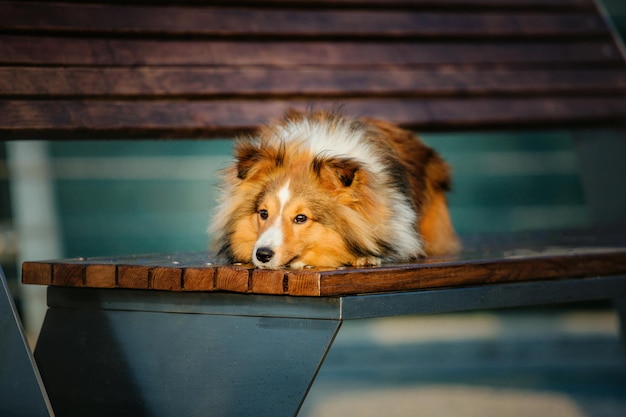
(493, 259)
(120, 329)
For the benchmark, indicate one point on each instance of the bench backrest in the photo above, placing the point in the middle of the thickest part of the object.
(165, 70)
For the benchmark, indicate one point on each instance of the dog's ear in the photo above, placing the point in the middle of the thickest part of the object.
(251, 154)
(335, 172)
(247, 155)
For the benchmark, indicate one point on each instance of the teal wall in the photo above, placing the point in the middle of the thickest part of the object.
(513, 181)
(125, 197)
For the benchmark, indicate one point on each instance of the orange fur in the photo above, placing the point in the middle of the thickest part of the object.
(430, 179)
(288, 201)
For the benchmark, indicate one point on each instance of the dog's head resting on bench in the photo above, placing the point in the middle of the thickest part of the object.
(323, 189)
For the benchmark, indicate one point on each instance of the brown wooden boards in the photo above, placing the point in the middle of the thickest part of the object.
(485, 260)
(77, 82)
(232, 21)
(161, 119)
(161, 69)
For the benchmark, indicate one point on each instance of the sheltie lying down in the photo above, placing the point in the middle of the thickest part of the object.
(322, 189)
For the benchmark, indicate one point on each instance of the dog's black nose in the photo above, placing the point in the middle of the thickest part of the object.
(264, 254)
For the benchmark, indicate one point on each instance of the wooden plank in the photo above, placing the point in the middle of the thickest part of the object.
(432, 275)
(69, 274)
(477, 4)
(33, 50)
(37, 273)
(133, 276)
(199, 279)
(198, 270)
(404, 4)
(253, 81)
(101, 276)
(512, 257)
(265, 281)
(233, 278)
(304, 283)
(169, 278)
(494, 112)
(154, 119)
(225, 21)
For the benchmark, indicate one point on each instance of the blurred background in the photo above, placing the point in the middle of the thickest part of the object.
(69, 199)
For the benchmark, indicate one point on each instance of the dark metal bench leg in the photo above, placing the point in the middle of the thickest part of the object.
(140, 363)
(21, 390)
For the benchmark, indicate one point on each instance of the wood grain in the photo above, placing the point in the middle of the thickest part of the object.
(162, 119)
(305, 283)
(314, 82)
(471, 273)
(199, 279)
(101, 276)
(264, 281)
(70, 274)
(227, 22)
(166, 278)
(471, 5)
(37, 273)
(133, 276)
(233, 278)
(67, 51)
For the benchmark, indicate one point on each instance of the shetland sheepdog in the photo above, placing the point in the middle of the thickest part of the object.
(320, 189)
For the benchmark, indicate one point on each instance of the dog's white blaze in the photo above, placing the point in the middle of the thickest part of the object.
(273, 237)
(283, 196)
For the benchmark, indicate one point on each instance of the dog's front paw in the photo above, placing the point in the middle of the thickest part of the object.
(298, 265)
(367, 261)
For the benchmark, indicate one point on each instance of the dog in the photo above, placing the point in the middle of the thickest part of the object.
(322, 189)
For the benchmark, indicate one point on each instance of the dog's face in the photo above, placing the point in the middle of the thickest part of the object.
(290, 231)
(288, 228)
(293, 204)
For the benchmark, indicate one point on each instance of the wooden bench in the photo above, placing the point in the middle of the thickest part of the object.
(187, 334)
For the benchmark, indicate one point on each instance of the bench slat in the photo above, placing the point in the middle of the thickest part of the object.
(514, 258)
(472, 4)
(254, 81)
(207, 21)
(562, 5)
(53, 51)
(161, 119)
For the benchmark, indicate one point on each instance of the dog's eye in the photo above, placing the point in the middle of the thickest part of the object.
(263, 214)
(300, 218)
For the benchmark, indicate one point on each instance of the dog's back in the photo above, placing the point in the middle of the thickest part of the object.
(429, 178)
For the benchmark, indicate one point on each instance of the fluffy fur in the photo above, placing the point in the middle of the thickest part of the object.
(322, 189)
